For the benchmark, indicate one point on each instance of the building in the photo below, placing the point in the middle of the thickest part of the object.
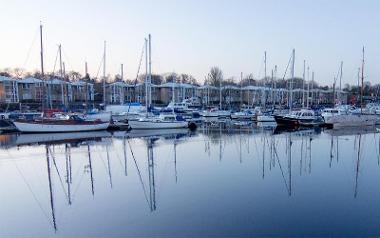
(8, 90)
(30, 90)
(82, 91)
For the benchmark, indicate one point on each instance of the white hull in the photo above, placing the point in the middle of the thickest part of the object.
(24, 139)
(146, 124)
(353, 120)
(264, 118)
(102, 116)
(39, 127)
(216, 114)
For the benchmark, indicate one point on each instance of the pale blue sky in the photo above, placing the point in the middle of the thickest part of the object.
(191, 36)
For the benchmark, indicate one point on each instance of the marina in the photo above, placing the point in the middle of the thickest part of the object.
(64, 183)
(189, 119)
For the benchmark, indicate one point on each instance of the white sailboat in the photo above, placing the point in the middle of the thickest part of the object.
(164, 121)
(71, 124)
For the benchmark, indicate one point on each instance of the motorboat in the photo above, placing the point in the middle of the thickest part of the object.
(327, 113)
(353, 120)
(243, 115)
(303, 117)
(215, 112)
(163, 121)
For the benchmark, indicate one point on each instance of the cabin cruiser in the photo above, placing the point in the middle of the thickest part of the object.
(303, 117)
(327, 113)
(353, 120)
(163, 121)
(215, 112)
(243, 115)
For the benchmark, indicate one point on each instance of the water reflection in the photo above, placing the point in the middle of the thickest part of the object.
(280, 166)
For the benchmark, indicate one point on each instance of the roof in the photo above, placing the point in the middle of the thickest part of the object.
(177, 85)
(208, 86)
(80, 83)
(3, 78)
(56, 81)
(30, 80)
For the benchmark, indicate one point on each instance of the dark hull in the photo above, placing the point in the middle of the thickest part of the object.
(286, 121)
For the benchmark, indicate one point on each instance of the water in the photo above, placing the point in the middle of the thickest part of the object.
(217, 181)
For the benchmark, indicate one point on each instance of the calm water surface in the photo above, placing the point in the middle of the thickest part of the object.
(217, 181)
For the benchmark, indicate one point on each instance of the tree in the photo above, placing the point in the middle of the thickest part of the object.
(74, 76)
(173, 77)
(215, 77)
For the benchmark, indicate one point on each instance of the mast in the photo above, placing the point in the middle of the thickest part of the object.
(150, 70)
(340, 82)
(308, 87)
(241, 89)
(86, 85)
(271, 89)
(152, 185)
(68, 172)
(61, 73)
(303, 84)
(90, 167)
(275, 85)
(122, 72)
(362, 89)
(109, 166)
(312, 85)
(146, 77)
(104, 74)
(42, 70)
(265, 78)
(121, 89)
(291, 82)
(220, 93)
(50, 188)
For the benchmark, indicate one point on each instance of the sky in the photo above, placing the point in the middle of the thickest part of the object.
(191, 36)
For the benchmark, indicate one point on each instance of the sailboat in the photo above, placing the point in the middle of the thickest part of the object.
(354, 119)
(303, 117)
(163, 121)
(264, 116)
(71, 124)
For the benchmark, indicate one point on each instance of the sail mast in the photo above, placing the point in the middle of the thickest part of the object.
(291, 82)
(146, 76)
(264, 99)
(42, 70)
(150, 70)
(104, 74)
(362, 89)
(303, 84)
(340, 82)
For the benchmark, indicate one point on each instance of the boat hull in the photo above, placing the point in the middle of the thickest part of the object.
(49, 127)
(265, 118)
(138, 125)
(353, 120)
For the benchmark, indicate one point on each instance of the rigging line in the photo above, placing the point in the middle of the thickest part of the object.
(29, 187)
(139, 173)
(29, 51)
(55, 62)
(287, 67)
(80, 179)
(282, 172)
(100, 65)
(137, 74)
(59, 175)
(118, 157)
(67, 59)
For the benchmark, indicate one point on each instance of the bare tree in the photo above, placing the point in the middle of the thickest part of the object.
(215, 77)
